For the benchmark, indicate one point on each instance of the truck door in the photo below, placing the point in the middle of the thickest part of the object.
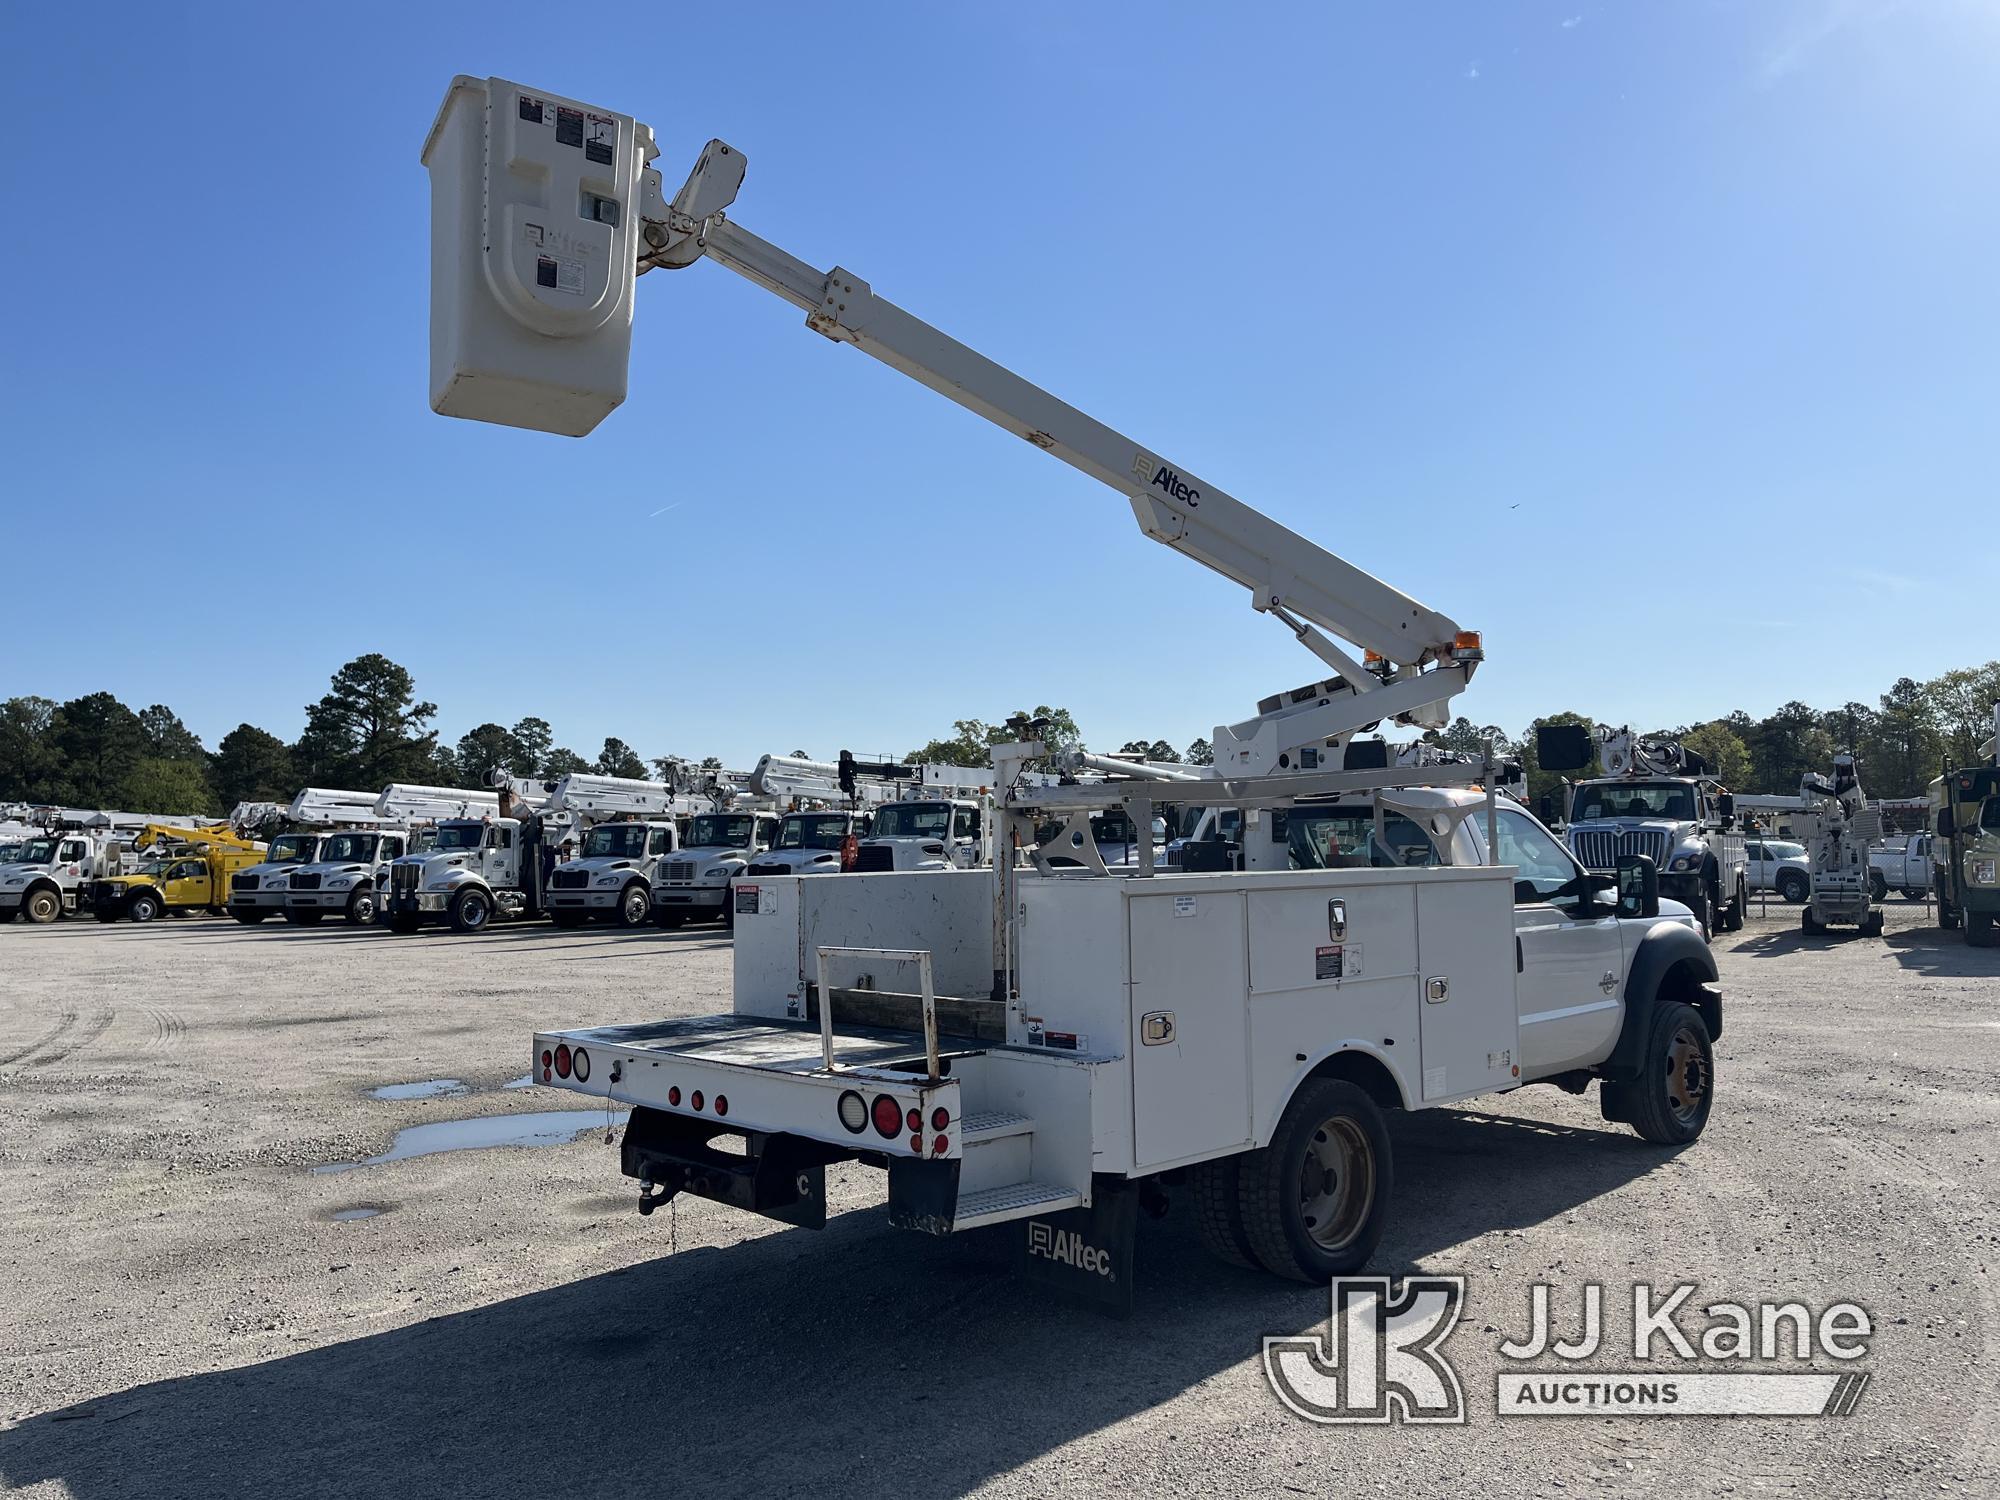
(1571, 953)
(186, 883)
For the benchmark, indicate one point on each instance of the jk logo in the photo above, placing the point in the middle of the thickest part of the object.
(1379, 1360)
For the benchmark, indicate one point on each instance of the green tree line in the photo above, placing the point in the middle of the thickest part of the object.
(368, 730)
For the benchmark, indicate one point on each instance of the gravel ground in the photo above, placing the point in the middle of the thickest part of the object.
(186, 1316)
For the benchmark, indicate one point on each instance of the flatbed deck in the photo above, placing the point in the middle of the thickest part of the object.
(759, 1042)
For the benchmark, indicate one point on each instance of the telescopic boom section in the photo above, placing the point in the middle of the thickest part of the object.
(1315, 593)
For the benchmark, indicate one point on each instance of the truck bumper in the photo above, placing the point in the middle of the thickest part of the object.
(690, 898)
(604, 900)
(418, 904)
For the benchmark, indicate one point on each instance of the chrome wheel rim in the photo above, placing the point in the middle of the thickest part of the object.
(1336, 1183)
(1687, 1075)
(637, 905)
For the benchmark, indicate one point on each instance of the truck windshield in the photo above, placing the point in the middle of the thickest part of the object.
(813, 831)
(37, 852)
(914, 820)
(1634, 799)
(289, 849)
(1228, 823)
(345, 847)
(1327, 838)
(615, 841)
(458, 836)
(1784, 851)
(719, 831)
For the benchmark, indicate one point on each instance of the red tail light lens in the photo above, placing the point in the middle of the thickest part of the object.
(674, 1096)
(940, 1144)
(548, 1057)
(722, 1104)
(850, 852)
(562, 1061)
(917, 1144)
(695, 1099)
(940, 1117)
(914, 1119)
(888, 1115)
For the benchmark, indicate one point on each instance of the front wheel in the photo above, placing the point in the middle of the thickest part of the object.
(405, 924)
(1697, 903)
(1878, 886)
(42, 906)
(250, 918)
(144, 907)
(1979, 929)
(670, 917)
(361, 908)
(635, 907)
(1315, 1201)
(471, 910)
(1668, 1102)
(1793, 887)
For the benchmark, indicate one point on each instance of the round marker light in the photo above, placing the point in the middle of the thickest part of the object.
(674, 1096)
(853, 1111)
(940, 1117)
(547, 1057)
(579, 1062)
(888, 1115)
(695, 1099)
(562, 1061)
(914, 1119)
(940, 1144)
(917, 1144)
(722, 1104)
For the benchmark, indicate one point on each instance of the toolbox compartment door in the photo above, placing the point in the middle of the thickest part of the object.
(1469, 1027)
(1191, 1093)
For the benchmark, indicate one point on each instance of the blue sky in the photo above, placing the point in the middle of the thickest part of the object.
(1655, 341)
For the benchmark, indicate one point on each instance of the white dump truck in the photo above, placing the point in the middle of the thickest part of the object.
(1012, 1044)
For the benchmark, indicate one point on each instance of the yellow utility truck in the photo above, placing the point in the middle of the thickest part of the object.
(179, 870)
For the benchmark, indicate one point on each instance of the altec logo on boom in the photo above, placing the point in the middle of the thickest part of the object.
(1149, 470)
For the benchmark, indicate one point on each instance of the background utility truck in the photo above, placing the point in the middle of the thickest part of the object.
(693, 884)
(258, 893)
(627, 829)
(180, 870)
(1839, 830)
(1021, 1045)
(822, 842)
(1964, 819)
(1658, 800)
(345, 877)
(51, 873)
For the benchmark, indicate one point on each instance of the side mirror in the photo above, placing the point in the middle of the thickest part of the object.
(1638, 886)
(1947, 824)
(1562, 747)
(1726, 805)
(1545, 805)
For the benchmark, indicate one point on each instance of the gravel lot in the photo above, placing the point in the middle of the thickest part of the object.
(186, 1316)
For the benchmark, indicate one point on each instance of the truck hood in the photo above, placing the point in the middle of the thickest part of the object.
(1668, 826)
(700, 852)
(341, 867)
(605, 863)
(798, 859)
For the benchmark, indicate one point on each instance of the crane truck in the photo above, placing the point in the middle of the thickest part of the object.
(1656, 798)
(51, 873)
(179, 870)
(1048, 1049)
(628, 829)
(258, 893)
(1840, 831)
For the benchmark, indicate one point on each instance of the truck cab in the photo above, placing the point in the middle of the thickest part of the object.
(613, 874)
(1682, 823)
(813, 843)
(476, 869)
(693, 885)
(259, 892)
(346, 877)
(927, 834)
(1964, 821)
(49, 875)
(1904, 866)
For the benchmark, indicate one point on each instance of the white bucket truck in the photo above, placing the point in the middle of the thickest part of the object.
(50, 872)
(692, 884)
(1013, 1045)
(627, 830)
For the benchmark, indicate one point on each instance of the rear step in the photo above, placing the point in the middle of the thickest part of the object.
(1017, 1200)
(992, 1125)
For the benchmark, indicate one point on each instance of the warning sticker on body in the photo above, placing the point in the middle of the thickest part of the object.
(1184, 906)
(600, 133)
(1327, 961)
(561, 273)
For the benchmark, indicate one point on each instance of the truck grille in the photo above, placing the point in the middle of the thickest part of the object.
(759, 868)
(403, 878)
(1599, 848)
(569, 880)
(875, 858)
(304, 882)
(243, 882)
(680, 869)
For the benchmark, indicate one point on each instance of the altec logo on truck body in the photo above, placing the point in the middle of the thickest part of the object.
(1067, 1248)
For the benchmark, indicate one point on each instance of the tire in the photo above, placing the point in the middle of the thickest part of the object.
(1702, 916)
(1871, 925)
(1911, 893)
(1739, 908)
(1668, 1103)
(145, 907)
(1947, 915)
(361, 908)
(405, 924)
(42, 906)
(1793, 886)
(670, 917)
(1878, 886)
(1218, 1211)
(304, 918)
(471, 910)
(728, 915)
(635, 906)
(1979, 929)
(106, 914)
(1810, 923)
(566, 918)
(1314, 1202)
(250, 918)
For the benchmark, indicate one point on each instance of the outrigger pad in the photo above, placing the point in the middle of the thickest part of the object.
(1084, 1255)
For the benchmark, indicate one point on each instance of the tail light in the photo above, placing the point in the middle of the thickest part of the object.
(562, 1060)
(722, 1104)
(917, 1144)
(940, 1144)
(547, 1059)
(579, 1062)
(915, 1119)
(695, 1099)
(674, 1096)
(853, 1112)
(888, 1117)
(940, 1117)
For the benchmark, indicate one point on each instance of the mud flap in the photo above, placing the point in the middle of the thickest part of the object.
(1084, 1255)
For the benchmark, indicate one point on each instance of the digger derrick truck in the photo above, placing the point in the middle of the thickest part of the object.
(260, 892)
(180, 870)
(627, 828)
(1964, 819)
(1840, 831)
(1049, 1049)
(1657, 799)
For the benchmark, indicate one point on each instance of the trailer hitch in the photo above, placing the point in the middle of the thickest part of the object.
(652, 1194)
